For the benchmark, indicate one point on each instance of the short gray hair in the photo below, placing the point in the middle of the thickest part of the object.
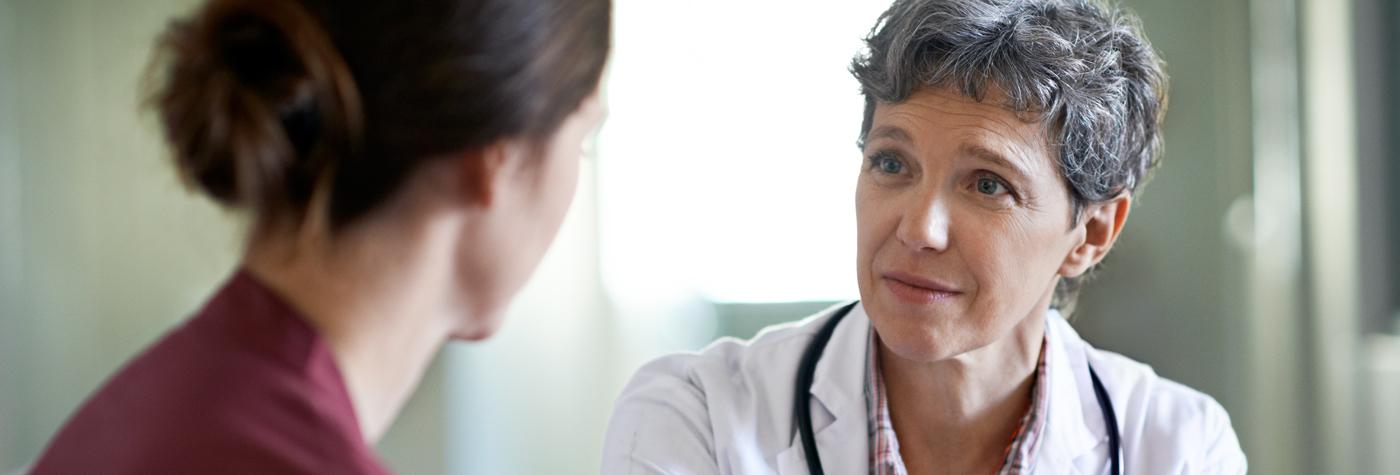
(1083, 68)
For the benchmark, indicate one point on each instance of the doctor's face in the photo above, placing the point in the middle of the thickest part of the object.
(963, 222)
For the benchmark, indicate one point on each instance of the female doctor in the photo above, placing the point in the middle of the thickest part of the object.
(1003, 143)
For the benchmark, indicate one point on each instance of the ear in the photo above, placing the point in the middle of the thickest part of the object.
(1098, 229)
(482, 172)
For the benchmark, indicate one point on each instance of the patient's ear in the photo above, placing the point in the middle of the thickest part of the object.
(482, 172)
(1098, 228)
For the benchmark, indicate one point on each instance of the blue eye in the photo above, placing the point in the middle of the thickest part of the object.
(990, 187)
(889, 165)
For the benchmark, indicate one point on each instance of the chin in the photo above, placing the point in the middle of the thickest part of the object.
(921, 338)
(473, 336)
(918, 344)
(477, 330)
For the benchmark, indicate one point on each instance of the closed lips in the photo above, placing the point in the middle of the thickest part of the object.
(917, 290)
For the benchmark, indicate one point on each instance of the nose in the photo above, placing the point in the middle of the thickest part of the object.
(923, 224)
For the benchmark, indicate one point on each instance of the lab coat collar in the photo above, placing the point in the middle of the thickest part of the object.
(839, 418)
(1075, 427)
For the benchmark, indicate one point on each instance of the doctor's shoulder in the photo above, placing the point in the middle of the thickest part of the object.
(675, 414)
(1177, 429)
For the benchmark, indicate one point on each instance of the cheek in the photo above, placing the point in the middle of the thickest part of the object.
(863, 216)
(873, 227)
(551, 193)
(562, 186)
(1012, 259)
(559, 181)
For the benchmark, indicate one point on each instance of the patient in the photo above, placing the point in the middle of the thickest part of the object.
(403, 167)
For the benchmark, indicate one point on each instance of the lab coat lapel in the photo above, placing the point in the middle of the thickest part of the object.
(1075, 431)
(839, 415)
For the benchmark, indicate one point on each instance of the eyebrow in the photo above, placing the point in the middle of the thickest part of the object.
(975, 150)
(890, 132)
(988, 155)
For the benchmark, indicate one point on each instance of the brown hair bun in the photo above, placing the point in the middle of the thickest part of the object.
(255, 98)
(266, 101)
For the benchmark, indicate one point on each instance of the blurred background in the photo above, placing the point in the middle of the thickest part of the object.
(1261, 265)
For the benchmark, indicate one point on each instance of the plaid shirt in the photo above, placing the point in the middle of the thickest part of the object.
(884, 446)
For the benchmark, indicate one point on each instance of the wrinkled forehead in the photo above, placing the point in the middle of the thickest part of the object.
(940, 118)
(990, 95)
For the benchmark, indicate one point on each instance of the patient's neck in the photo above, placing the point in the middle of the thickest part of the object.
(957, 415)
(382, 295)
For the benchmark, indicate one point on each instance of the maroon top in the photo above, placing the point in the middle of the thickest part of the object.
(246, 386)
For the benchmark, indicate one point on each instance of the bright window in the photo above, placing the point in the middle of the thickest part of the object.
(727, 167)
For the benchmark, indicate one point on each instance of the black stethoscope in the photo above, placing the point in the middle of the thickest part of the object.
(808, 367)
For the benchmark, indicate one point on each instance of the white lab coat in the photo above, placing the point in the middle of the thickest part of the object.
(729, 409)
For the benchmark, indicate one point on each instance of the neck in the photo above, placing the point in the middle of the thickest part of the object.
(970, 404)
(379, 296)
